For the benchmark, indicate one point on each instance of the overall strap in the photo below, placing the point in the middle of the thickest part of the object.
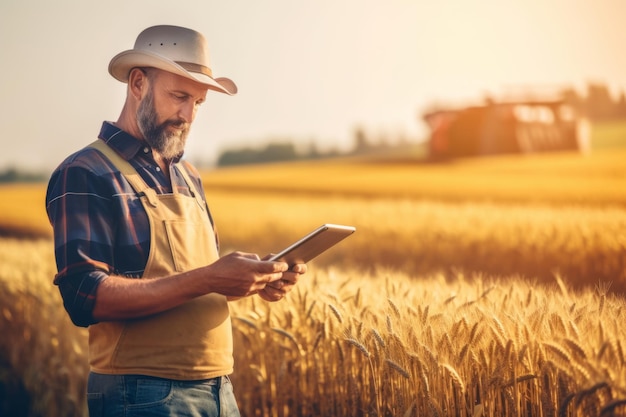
(192, 188)
(127, 170)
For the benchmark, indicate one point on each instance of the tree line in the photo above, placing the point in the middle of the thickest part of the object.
(283, 150)
(597, 104)
(13, 174)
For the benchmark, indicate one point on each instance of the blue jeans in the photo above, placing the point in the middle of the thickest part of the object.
(138, 395)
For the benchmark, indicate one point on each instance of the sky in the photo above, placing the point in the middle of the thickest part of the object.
(307, 71)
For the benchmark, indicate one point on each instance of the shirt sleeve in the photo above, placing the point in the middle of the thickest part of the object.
(79, 296)
(78, 203)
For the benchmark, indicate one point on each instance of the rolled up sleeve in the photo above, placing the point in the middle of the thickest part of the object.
(78, 204)
(79, 295)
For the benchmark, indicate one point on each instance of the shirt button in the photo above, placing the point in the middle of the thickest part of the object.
(146, 150)
(158, 169)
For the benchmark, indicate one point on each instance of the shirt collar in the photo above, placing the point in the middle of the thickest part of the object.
(122, 142)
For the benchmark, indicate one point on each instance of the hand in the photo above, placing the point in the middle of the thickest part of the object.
(241, 274)
(276, 290)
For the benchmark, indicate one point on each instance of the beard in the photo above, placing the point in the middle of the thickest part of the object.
(169, 144)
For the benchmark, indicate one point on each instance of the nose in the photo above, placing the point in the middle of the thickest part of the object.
(187, 112)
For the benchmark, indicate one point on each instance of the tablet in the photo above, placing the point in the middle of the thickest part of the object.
(314, 244)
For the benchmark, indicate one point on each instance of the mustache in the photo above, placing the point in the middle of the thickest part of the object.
(177, 123)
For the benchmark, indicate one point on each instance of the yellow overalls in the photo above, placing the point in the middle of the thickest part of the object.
(189, 342)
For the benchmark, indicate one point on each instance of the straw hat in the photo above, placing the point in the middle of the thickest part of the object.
(174, 49)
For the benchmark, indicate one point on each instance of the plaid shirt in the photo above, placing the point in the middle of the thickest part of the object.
(100, 226)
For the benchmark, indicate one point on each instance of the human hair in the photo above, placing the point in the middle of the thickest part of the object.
(150, 72)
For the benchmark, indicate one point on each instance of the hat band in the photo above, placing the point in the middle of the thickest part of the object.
(190, 66)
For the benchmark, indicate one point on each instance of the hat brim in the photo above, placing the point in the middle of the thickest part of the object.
(122, 63)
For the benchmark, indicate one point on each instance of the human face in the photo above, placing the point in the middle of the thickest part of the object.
(165, 113)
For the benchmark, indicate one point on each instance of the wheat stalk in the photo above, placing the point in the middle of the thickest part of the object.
(576, 348)
(378, 338)
(602, 288)
(359, 346)
(336, 312)
(559, 351)
(398, 368)
(250, 323)
(609, 409)
(394, 308)
(289, 337)
(456, 379)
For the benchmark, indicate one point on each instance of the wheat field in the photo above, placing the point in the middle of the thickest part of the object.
(347, 343)
(441, 304)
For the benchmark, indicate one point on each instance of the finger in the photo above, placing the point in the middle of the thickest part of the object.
(299, 268)
(272, 296)
(252, 256)
(269, 267)
(288, 286)
(277, 285)
(276, 276)
(276, 293)
(290, 277)
(270, 290)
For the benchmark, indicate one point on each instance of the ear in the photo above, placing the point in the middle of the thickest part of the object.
(137, 83)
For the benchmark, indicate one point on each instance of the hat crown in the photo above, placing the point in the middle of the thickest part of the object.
(175, 49)
(175, 43)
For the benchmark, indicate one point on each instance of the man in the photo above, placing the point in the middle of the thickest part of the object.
(135, 247)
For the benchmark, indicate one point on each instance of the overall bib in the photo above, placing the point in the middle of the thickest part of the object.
(192, 341)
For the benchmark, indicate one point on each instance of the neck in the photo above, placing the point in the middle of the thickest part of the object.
(127, 121)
